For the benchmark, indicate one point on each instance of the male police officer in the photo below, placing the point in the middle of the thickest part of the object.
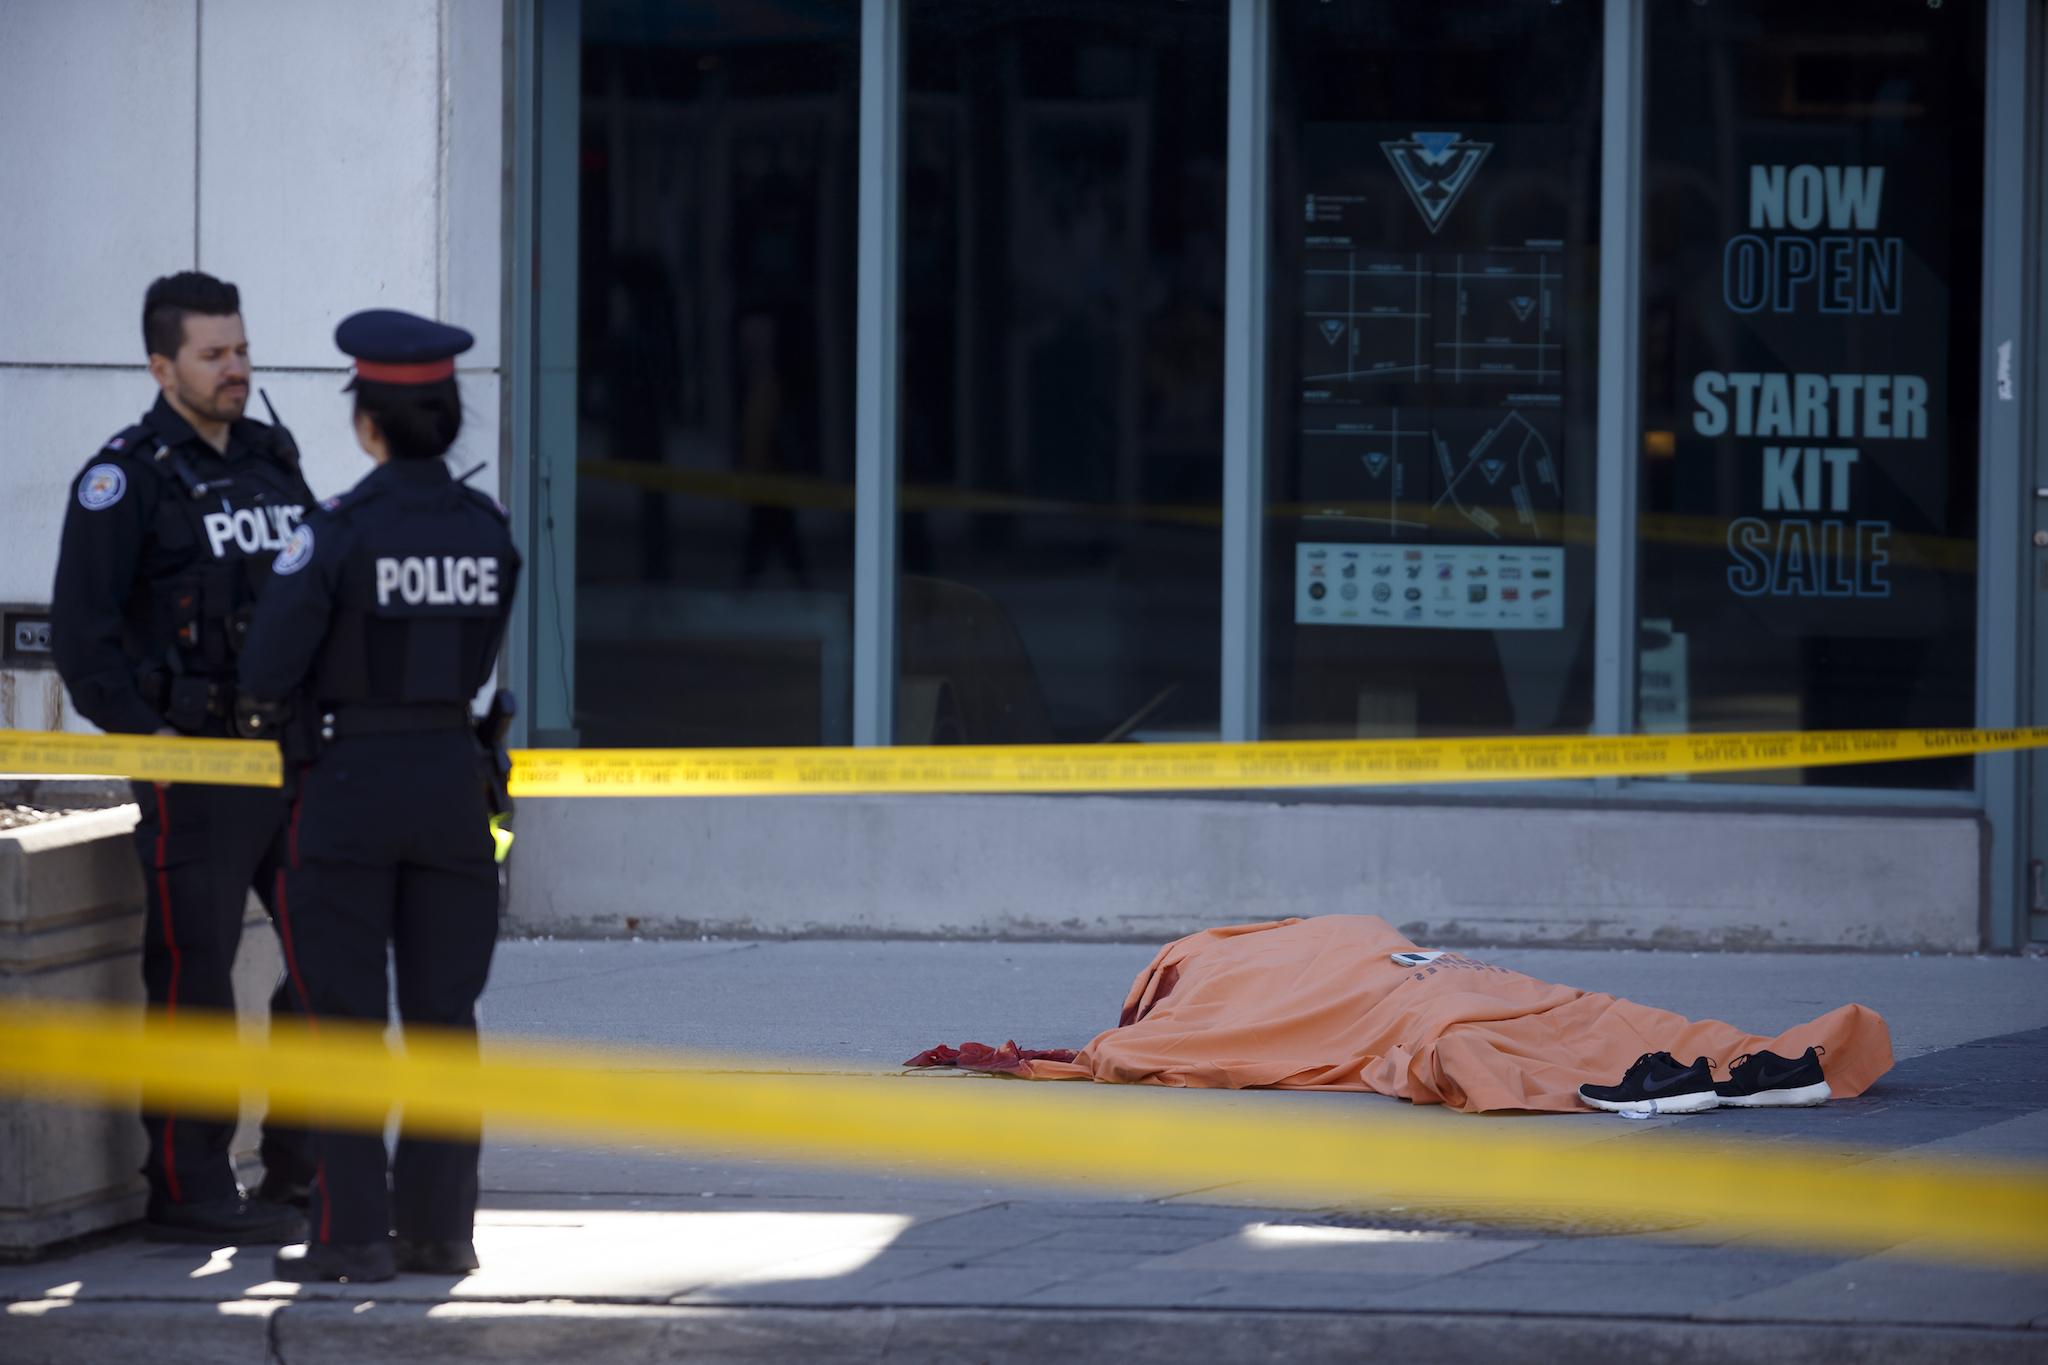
(386, 611)
(168, 536)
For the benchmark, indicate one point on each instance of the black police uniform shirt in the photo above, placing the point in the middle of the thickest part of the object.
(394, 593)
(150, 577)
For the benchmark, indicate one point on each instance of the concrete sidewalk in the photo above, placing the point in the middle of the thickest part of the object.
(634, 1254)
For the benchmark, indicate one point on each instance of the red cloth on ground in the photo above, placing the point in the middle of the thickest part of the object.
(981, 1057)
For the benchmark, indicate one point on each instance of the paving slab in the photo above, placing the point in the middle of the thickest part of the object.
(1070, 1265)
(1659, 1256)
(1305, 1291)
(1897, 1286)
(1006, 1226)
(1543, 1287)
(65, 1331)
(1284, 1248)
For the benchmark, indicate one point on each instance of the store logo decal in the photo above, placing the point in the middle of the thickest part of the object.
(1435, 169)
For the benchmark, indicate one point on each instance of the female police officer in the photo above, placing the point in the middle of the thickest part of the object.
(382, 621)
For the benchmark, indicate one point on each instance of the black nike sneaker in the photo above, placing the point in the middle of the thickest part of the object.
(1658, 1083)
(1764, 1080)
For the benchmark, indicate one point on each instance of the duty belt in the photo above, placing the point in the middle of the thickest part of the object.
(342, 722)
(186, 701)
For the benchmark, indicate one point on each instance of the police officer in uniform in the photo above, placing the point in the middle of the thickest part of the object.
(385, 614)
(168, 536)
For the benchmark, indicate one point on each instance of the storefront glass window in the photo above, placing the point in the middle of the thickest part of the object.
(716, 296)
(1433, 304)
(1812, 226)
(1062, 370)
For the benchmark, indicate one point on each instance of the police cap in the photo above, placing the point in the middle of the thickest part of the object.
(391, 347)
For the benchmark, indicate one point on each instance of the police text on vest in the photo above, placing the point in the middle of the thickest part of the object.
(438, 580)
(252, 530)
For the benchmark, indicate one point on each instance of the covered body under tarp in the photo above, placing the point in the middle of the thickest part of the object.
(1322, 1004)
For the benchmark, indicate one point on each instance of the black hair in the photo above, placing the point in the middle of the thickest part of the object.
(172, 297)
(419, 421)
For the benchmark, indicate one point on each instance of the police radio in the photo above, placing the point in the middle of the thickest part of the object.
(490, 736)
(287, 445)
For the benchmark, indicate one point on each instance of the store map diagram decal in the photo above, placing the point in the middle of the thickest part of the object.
(1509, 464)
(1430, 355)
(1377, 316)
(1436, 169)
(1425, 473)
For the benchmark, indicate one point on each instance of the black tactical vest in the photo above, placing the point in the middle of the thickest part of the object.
(219, 529)
(423, 598)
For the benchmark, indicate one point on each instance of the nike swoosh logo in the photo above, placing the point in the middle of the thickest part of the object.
(1651, 1087)
(1771, 1080)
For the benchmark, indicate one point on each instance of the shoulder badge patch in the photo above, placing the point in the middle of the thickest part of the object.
(297, 552)
(102, 486)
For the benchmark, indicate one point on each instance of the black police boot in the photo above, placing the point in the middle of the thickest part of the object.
(282, 1189)
(355, 1262)
(230, 1220)
(437, 1258)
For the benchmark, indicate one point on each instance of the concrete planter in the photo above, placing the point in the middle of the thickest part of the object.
(71, 910)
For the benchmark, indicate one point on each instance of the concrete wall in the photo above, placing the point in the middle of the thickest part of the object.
(1152, 869)
(324, 157)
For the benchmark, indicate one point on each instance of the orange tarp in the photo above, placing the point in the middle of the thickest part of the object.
(1307, 1004)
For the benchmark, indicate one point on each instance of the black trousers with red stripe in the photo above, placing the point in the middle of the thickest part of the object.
(203, 849)
(390, 859)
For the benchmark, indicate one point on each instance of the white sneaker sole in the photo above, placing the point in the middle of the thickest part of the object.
(1802, 1097)
(1697, 1102)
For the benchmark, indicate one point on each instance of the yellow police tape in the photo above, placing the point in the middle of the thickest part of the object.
(1220, 767)
(1339, 1155)
(146, 758)
(1057, 767)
